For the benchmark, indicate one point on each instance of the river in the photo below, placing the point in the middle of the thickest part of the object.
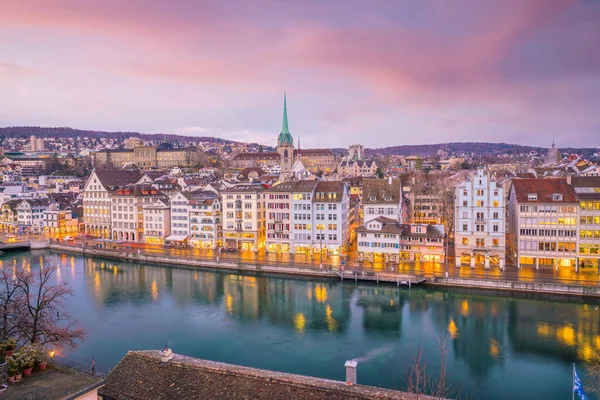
(499, 346)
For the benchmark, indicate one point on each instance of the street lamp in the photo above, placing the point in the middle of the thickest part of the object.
(321, 246)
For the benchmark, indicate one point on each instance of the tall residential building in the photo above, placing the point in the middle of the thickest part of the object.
(30, 215)
(36, 144)
(543, 218)
(157, 221)
(128, 203)
(331, 207)
(278, 205)
(479, 216)
(97, 199)
(206, 228)
(587, 190)
(302, 217)
(180, 218)
(244, 217)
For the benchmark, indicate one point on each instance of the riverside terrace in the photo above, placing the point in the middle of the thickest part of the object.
(152, 375)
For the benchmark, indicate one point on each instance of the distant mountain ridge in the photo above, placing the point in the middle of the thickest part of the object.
(480, 148)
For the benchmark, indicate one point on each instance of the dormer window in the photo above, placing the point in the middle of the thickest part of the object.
(557, 197)
(531, 197)
(388, 198)
(371, 198)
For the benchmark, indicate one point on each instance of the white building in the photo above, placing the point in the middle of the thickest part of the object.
(30, 215)
(244, 217)
(206, 228)
(157, 221)
(180, 219)
(331, 207)
(543, 219)
(479, 217)
(302, 217)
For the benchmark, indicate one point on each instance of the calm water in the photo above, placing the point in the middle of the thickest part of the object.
(500, 347)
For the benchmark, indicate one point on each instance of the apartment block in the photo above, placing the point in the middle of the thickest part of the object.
(479, 228)
(244, 217)
(543, 217)
(587, 190)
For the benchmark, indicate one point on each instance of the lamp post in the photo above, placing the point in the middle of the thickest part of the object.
(321, 247)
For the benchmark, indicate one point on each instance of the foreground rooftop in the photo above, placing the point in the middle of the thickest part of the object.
(142, 375)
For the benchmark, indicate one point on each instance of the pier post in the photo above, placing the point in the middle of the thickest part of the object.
(409, 283)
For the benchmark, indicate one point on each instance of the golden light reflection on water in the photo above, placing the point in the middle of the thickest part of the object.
(321, 293)
(97, 284)
(332, 324)
(153, 289)
(452, 329)
(543, 329)
(229, 304)
(116, 270)
(494, 348)
(299, 322)
(464, 308)
(566, 335)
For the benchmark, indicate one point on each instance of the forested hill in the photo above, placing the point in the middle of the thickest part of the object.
(480, 148)
(25, 131)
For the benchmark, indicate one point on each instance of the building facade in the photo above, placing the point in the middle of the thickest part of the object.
(97, 199)
(157, 221)
(206, 228)
(479, 228)
(244, 217)
(128, 203)
(278, 204)
(587, 190)
(163, 156)
(543, 217)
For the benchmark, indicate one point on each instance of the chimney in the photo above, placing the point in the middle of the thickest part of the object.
(389, 180)
(568, 179)
(351, 372)
(166, 354)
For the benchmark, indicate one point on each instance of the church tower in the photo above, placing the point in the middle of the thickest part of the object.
(285, 143)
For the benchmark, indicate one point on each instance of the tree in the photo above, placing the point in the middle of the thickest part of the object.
(379, 173)
(419, 163)
(33, 308)
(260, 148)
(11, 302)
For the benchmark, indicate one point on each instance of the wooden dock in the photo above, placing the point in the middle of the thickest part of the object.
(398, 279)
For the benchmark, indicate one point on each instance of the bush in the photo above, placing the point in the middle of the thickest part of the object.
(26, 356)
(13, 366)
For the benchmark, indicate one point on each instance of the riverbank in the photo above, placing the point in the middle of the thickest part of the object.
(553, 288)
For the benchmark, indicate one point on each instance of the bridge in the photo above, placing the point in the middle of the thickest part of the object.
(398, 279)
(24, 244)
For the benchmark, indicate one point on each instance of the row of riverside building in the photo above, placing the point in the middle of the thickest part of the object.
(549, 222)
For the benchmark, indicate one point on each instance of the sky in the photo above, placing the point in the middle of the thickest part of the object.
(375, 72)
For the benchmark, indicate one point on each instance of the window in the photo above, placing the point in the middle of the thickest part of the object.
(465, 241)
(480, 203)
(496, 215)
(532, 197)
(495, 203)
(557, 197)
(495, 242)
(465, 203)
(464, 227)
(479, 192)
(480, 242)
(496, 228)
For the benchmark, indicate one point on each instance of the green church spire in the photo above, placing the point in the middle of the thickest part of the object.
(285, 136)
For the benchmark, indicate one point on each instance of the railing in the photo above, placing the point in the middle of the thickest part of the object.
(73, 364)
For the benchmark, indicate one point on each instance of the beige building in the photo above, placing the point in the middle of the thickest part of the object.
(244, 217)
(128, 203)
(157, 221)
(163, 156)
(97, 199)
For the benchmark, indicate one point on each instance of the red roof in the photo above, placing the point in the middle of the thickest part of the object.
(544, 188)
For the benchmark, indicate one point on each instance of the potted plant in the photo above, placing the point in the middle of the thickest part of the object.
(27, 359)
(41, 358)
(8, 346)
(13, 368)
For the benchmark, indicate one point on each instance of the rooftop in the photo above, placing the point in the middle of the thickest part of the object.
(142, 375)
(544, 189)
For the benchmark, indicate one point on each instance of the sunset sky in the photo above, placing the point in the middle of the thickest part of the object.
(374, 72)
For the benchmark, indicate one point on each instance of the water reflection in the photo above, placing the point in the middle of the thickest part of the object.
(492, 338)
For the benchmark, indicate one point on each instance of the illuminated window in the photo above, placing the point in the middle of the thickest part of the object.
(465, 241)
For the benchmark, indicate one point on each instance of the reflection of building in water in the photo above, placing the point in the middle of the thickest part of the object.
(569, 331)
(382, 308)
(299, 304)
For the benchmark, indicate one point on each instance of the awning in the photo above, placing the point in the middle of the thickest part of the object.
(176, 238)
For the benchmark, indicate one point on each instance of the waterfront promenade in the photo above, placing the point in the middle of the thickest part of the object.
(564, 281)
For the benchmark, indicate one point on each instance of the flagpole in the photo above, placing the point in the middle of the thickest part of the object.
(573, 384)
